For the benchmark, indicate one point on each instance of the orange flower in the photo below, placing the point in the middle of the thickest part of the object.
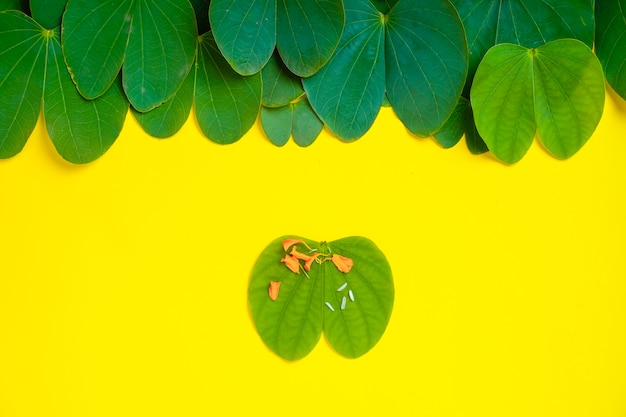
(295, 253)
(342, 263)
(290, 242)
(308, 262)
(273, 290)
(292, 263)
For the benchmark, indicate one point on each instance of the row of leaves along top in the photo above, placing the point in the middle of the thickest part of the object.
(498, 72)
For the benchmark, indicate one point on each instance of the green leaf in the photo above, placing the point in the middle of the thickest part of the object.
(529, 23)
(280, 86)
(226, 103)
(167, 119)
(297, 119)
(475, 143)
(22, 66)
(10, 5)
(611, 42)
(426, 57)
(277, 123)
(452, 131)
(348, 91)
(245, 31)
(353, 307)
(557, 89)
(155, 42)
(384, 6)
(308, 33)
(306, 125)
(81, 130)
(48, 13)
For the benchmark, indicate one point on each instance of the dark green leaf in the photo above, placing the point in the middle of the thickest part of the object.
(160, 51)
(48, 13)
(280, 86)
(201, 9)
(10, 5)
(426, 60)
(348, 91)
(452, 131)
(167, 119)
(352, 307)
(155, 42)
(611, 42)
(277, 123)
(308, 33)
(81, 130)
(95, 35)
(557, 89)
(245, 31)
(384, 6)
(22, 66)
(226, 103)
(475, 144)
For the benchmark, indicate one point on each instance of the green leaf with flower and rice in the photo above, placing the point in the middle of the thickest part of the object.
(300, 288)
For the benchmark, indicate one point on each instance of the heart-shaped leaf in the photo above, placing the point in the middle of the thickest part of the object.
(297, 119)
(556, 89)
(81, 130)
(48, 13)
(280, 86)
(299, 288)
(417, 53)
(155, 42)
(22, 68)
(226, 103)
(167, 119)
(306, 32)
(611, 42)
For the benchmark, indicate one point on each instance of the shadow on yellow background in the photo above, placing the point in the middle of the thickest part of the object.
(123, 282)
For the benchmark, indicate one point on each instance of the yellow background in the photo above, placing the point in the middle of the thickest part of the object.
(123, 283)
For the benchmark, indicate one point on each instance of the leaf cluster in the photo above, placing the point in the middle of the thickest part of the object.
(496, 72)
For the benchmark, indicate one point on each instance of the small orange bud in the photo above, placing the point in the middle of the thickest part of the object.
(287, 243)
(342, 263)
(273, 290)
(292, 263)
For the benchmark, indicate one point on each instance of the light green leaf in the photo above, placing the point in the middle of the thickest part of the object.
(426, 57)
(297, 119)
(48, 13)
(308, 33)
(167, 119)
(306, 125)
(280, 86)
(155, 42)
(348, 91)
(81, 130)
(557, 89)
(611, 42)
(352, 306)
(226, 103)
(354, 329)
(245, 31)
(22, 66)
(529, 23)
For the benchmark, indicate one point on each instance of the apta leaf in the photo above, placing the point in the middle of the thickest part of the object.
(556, 89)
(352, 306)
(611, 42)
(280, 86)
(297, 119)
(81, 130)
(226, 103)
(48, 13)
(154, 43)
(22, 66)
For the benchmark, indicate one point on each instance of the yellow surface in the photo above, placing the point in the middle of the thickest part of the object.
(123, 282)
